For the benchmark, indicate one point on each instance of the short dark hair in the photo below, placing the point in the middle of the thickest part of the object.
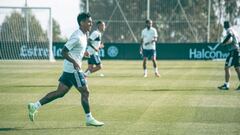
(148, 20)
(226, 24)
(82, 17)
(99, 22)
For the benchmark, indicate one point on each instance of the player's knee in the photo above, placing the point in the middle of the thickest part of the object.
(99, 66)
(237, 69)
(90, 68)
(85, 93)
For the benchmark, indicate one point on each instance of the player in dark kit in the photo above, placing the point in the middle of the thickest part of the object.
(231, 40)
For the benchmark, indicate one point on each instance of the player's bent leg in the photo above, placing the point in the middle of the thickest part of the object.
(60, 92)
(89, 70)
(95, 69)
(99, 66)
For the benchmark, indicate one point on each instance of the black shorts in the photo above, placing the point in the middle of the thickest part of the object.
(69, 79)
(149, 53)
(232, 59)
(94, 60)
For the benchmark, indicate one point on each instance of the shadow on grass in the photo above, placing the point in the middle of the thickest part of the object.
(7, 129)
(35, 129)
(32, 86)
(159, 90)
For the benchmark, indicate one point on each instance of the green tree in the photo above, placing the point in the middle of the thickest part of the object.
(232, 10)
(57, 32)
(14, 28)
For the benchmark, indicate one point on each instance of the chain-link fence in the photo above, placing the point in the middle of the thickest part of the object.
(175, 20)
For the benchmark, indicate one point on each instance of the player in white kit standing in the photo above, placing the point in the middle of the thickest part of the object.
(148, 46)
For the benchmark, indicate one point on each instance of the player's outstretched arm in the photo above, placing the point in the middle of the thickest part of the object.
(101, 45)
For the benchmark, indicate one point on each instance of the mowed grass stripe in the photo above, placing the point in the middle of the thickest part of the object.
(183, 101)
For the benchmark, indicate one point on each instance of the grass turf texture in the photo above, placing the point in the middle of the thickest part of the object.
(183, 101)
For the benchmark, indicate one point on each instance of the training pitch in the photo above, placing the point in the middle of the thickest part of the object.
(183, 101)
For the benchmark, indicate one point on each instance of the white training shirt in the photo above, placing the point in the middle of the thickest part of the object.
(76, 45)
(148, 35)
(233, 31)
(96, 38)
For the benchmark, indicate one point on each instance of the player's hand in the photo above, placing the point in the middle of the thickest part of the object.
(147, 43)
(76, 66)
(101, 46)
(97, 49)
(86, 54)
(153, 41)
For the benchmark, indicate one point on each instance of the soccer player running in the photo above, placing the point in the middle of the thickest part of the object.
(72, 53)
(148, 46)
(232, 42)
(95, 44)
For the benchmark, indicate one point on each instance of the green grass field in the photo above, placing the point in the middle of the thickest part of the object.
(183, 101)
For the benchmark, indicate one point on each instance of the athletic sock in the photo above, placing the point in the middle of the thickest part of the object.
(156, 70)
(89, 116)
(37, 105)
(145, 71)
(227, 84)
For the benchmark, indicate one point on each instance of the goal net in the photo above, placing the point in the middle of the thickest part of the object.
(25, 33)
